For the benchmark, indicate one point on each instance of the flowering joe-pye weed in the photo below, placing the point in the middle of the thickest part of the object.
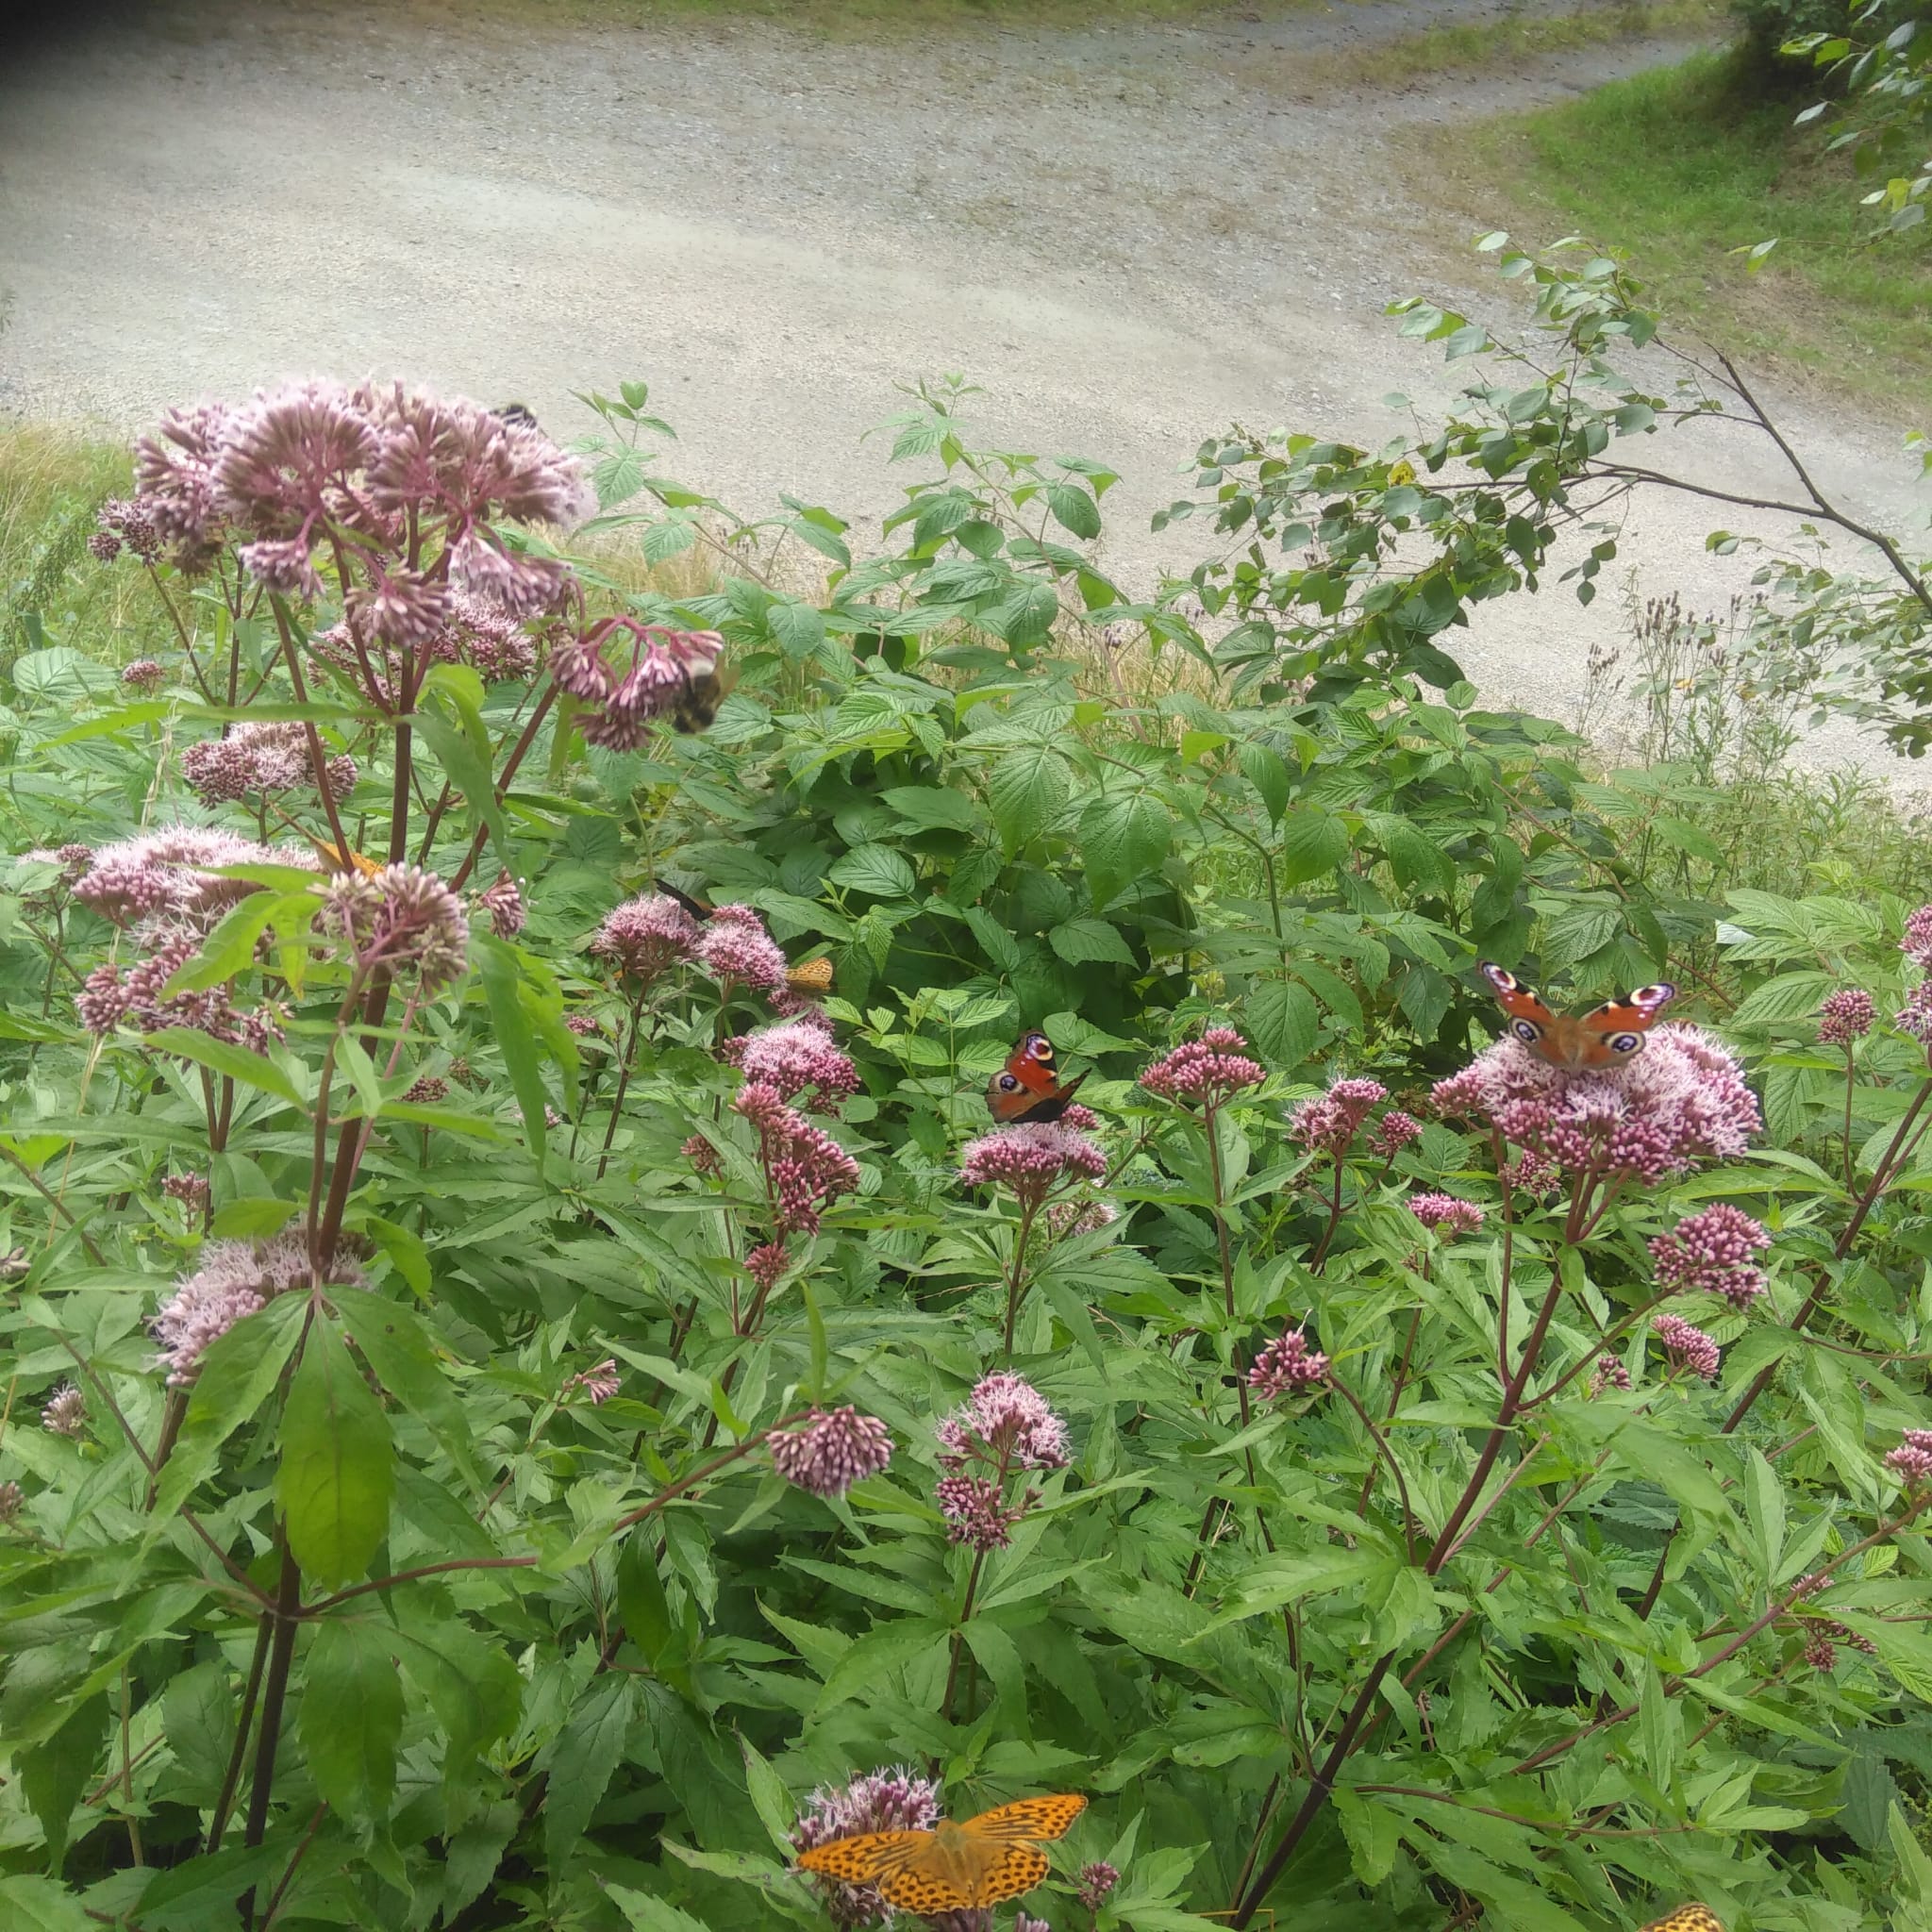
(539, 1395)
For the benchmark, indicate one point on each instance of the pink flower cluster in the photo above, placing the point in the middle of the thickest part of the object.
(484, 634)
(1687, 1347)
(111, 994)
(735, 949)
(1030, 1158)
(1328, 1123)
(1205, 1071)
(596, 1384)
(191, 1190)
(797, 1054)
(1098, 1882)
(1287, 1366)
(1709, 1252)
(807, 1169)
(1393, 1133)
(145, 674)
(830, 1451)
(646, 936)
(1440, 1211)
(234, 1280)
(1610, 1374)
(623, 700)
(370, 474)
(1911, 1461)
(502, 905)
(403, 920)
(1682, 1099)
(260, 758)
(1005, 1428)
(893, 1800)
(1917, 943)
(65, 1413)
(167, 871)
(1846, 1016)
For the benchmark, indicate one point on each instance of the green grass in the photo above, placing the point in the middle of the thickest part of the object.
(1679, 167)
(1464, 46)
(51, 484)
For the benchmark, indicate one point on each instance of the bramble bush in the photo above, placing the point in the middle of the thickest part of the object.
(534, 1392)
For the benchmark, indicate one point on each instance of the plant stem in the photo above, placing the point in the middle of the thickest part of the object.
(232, 1780)
(281, 1657)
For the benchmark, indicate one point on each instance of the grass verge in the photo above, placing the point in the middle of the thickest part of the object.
(1491, 45)
(1681, 166)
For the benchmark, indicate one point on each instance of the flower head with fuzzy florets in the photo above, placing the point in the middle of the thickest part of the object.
(1329, 1123)
(233, 1281)
(260, 758)
(1030, 1158)
(1709, 1252)
(1005, 1429)
(830, 1451)
(623, 698)
(646, 936)
(1446, 1212)
(1681, 1100)
(401, 919)
(806, 1170)
(1846, 1016)
(1687, 1347)
(1287, 1366)
(1205, 1072)
(169, 870)
(736, 949)
(890, 1800)
(1911, 1461)
(793, 1056)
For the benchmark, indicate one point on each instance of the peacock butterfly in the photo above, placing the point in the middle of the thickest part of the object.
(1607, 1035)
(1028, 1086)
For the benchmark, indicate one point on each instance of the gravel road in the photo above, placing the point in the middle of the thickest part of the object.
(1129, 236)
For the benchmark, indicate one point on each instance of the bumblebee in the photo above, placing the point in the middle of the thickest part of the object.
(696, 706)
(516, 413)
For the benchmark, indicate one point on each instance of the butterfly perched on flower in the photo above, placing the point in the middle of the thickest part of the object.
(1607, 1035)
(960, 1865)
(1028, 1086)
(1690, 1918)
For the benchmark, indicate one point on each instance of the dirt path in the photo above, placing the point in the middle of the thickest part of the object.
(1130, 237)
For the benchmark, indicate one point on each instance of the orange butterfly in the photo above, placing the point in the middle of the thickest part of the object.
(814, 977)
(1607, 1035)
(959, 1865)
(1688, 1919)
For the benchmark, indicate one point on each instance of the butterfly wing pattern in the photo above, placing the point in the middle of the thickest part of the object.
(1690, 1918)
(980, 1861)
(1028, 1087)
(1607, 1035)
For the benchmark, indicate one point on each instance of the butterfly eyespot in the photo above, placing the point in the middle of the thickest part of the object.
(1526, 1031)
(1007, 1084)
(1625, 1042)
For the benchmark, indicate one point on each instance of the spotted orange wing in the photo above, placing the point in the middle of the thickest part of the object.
(1027, 1821)
(1690, 1918)
(867, 1859)
(1009, 1871)
(810, 976)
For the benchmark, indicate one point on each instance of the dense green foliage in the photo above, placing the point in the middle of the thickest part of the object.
(390, 1610)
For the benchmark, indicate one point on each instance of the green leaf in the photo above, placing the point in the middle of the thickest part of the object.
(30, 1904)
(352, 1717)
(1312, 843)
(1124, 838)
(236, 1372)
(223, 1056)
(337, 1473)
(1282, 1022)
(1074, 509)
(405, 1354)
(883, 1649)
(769, 1798)
(582, 1761)
(648, 1914)
(1083, 941)
(1867, 1795)
(232, 945)
(463, 751)
(641, 1600)
(1027, 789)
(1266, 770)
(880, 869)
(1789, 996)
(502, 978)
(799, 629)
(1374, 1835)
(54, 1774)
(254, 1216)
